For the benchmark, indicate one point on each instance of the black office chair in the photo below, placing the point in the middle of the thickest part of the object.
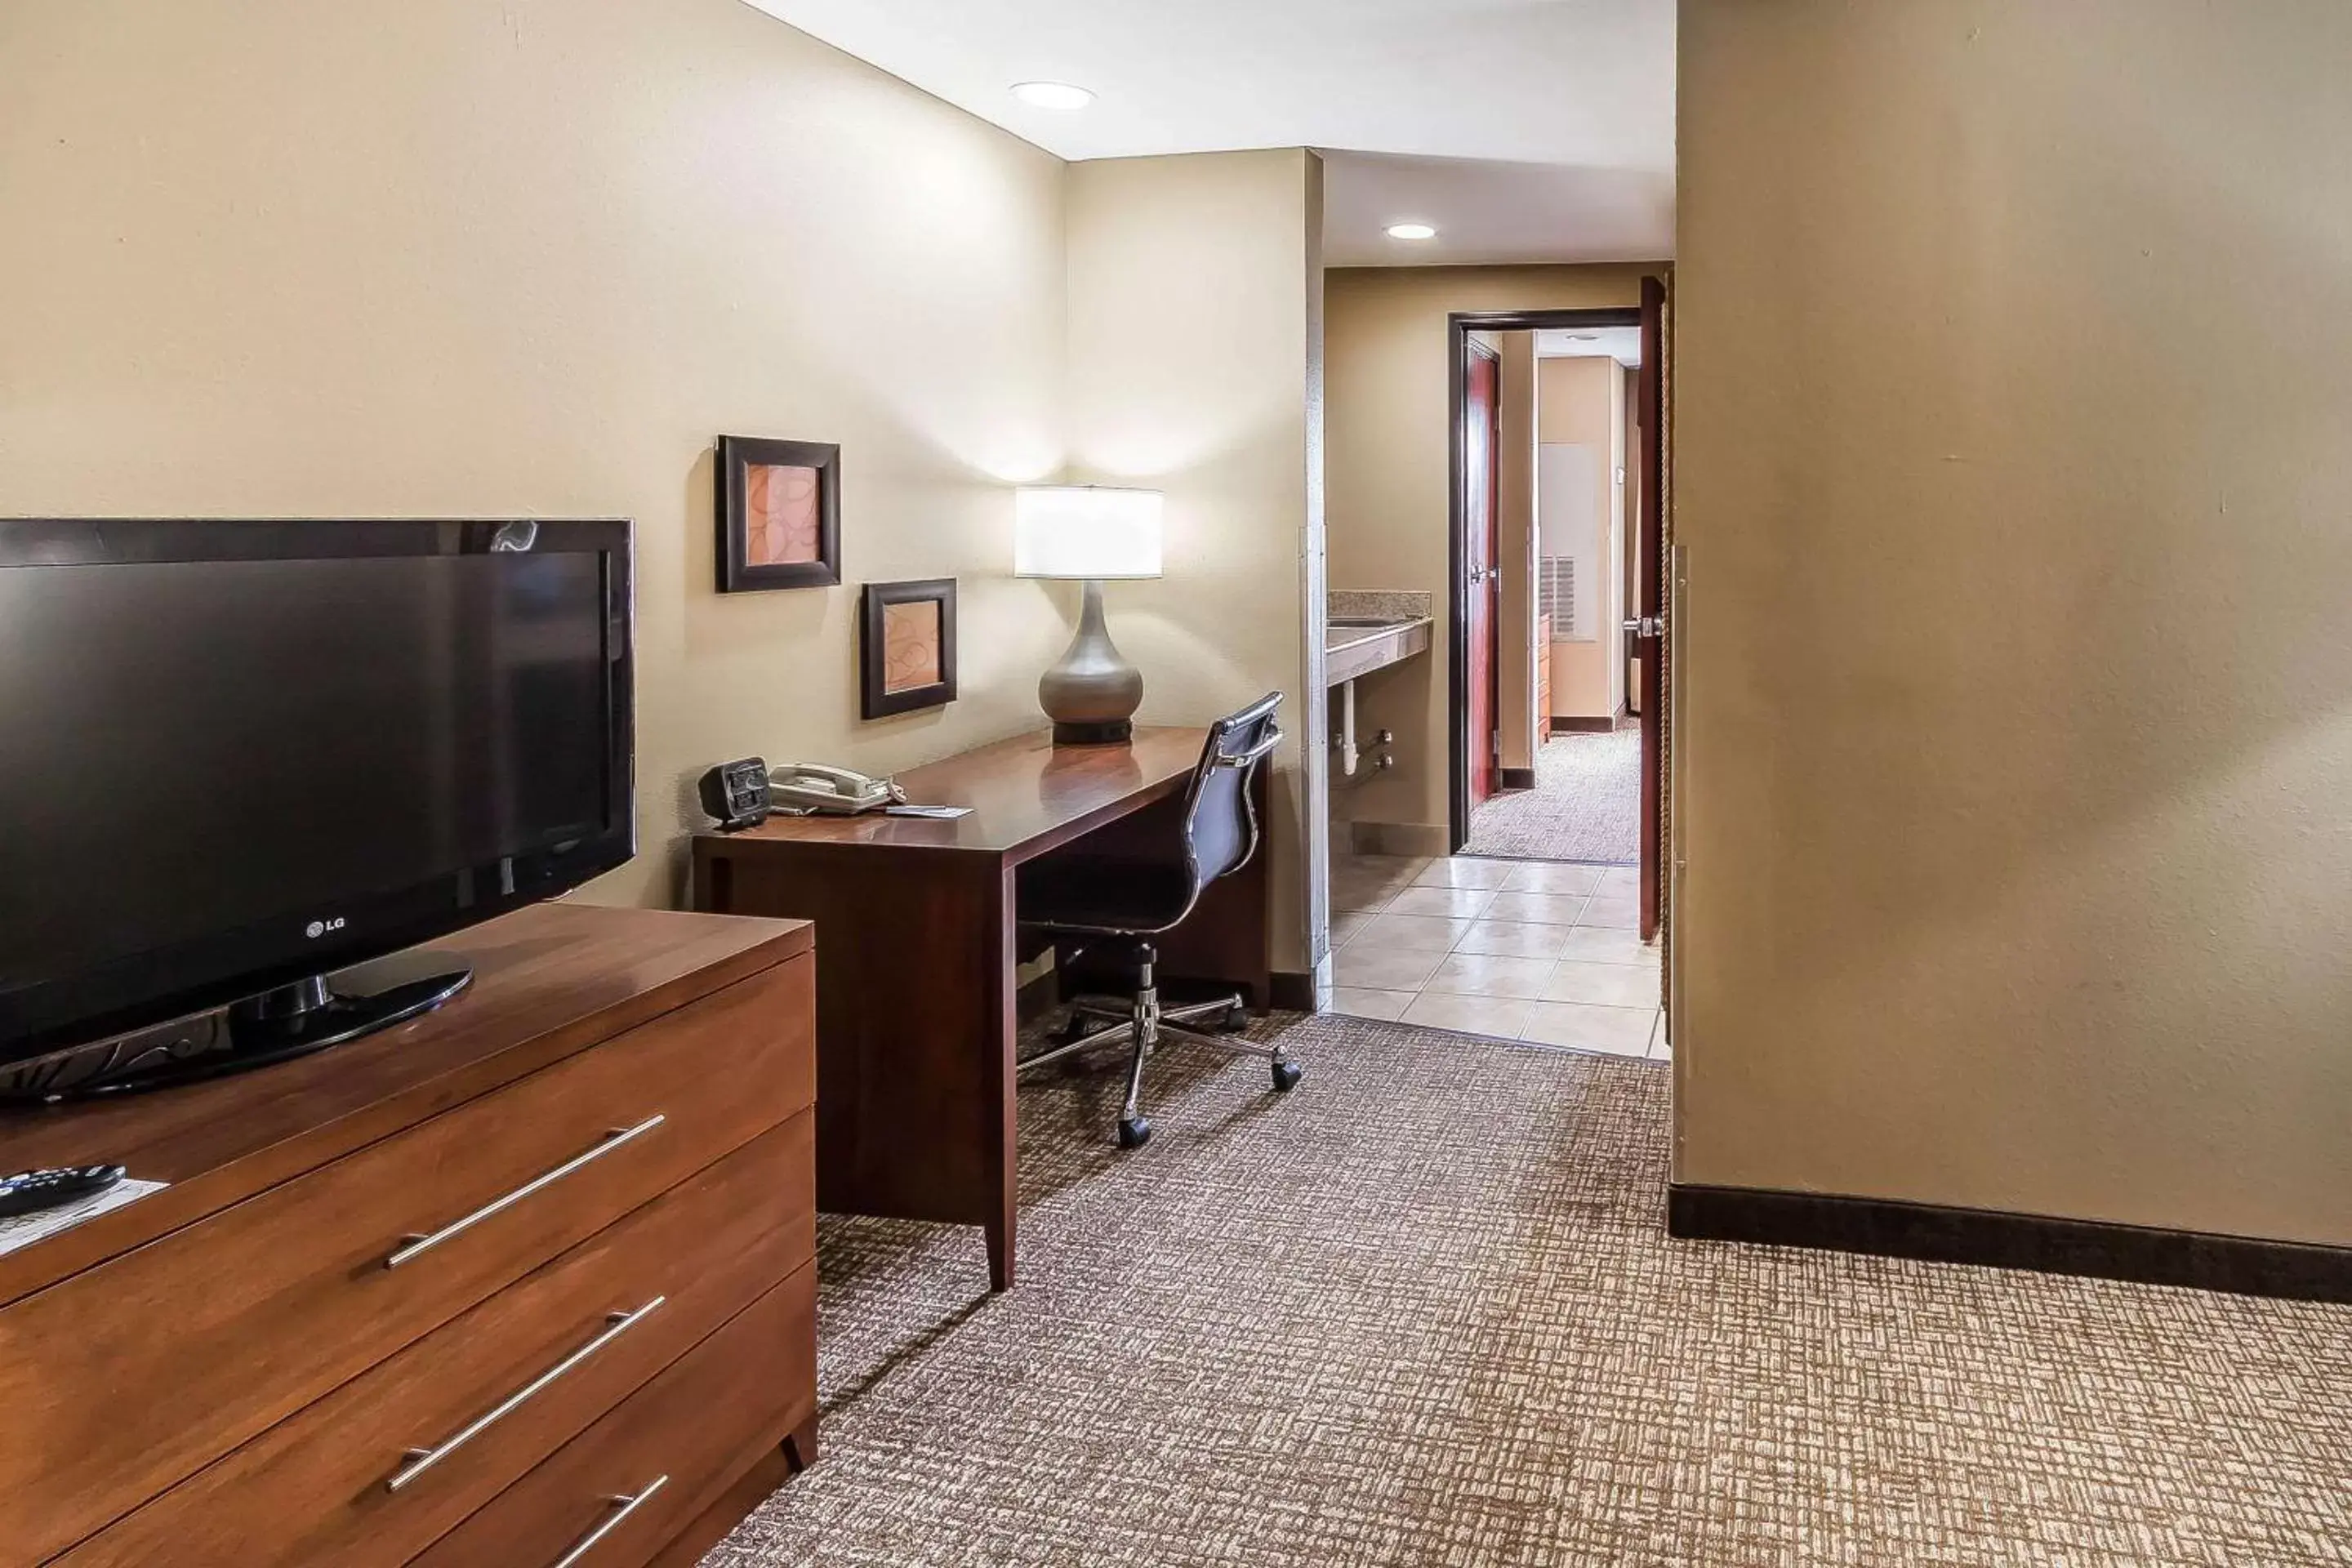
(1134, 899)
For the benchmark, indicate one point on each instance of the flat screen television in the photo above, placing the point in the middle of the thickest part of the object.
(238, 757)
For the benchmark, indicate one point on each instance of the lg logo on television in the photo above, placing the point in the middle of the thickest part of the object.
(317, 929)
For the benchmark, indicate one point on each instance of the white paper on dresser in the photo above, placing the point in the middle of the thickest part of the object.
(24, 1229)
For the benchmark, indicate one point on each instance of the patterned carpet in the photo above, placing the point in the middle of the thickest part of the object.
(1586, 806)
(1421, 1313)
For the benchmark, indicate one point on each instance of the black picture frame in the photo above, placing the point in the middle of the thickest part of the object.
(874, 699)
(738, 456)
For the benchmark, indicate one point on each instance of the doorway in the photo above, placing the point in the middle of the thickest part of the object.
(1533, 942)
(1575, 777)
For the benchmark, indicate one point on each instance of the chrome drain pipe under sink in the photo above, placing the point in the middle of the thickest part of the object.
(1344, 741)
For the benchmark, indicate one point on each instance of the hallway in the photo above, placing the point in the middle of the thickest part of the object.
(1586, 806)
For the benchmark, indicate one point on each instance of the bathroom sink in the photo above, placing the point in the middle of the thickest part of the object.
(1357, 645)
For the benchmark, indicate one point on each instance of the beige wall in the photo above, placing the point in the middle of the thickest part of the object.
(2014, 364)
(1386, 466)
(1584, 404)
(1192, 358)
(441, 258)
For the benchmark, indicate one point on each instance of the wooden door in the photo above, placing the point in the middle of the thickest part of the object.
(1482, 509)
(1644, 636)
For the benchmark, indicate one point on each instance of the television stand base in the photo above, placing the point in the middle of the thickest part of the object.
(274, 1027)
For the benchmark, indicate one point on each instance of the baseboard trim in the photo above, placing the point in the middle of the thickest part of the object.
(1516, 778)
(1291, 992)
(2245, 1266)
(1408, 838)
(1560, 726)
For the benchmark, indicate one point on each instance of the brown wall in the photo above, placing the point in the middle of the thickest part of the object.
(2014, 368)
(1386, 468)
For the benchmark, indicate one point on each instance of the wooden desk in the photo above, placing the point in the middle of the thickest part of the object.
(916, 953)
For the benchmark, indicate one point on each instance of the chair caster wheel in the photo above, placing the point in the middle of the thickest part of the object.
(1236, 1021)
(1287, 1075)
(1070, 1033)
(1133, 1132)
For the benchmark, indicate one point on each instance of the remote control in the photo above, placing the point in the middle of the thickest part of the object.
(30, 1191)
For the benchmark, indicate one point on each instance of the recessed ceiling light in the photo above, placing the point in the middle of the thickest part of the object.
(1412, 231)
(1052, 94)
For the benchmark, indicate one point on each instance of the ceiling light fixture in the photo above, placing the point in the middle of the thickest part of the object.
(1412, 231)
(1052, 94)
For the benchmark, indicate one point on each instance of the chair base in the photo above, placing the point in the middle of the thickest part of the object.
(1144, 1026)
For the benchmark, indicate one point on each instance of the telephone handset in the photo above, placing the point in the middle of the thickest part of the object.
(811, 786)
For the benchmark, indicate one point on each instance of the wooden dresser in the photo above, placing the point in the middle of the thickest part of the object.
(528, 1281)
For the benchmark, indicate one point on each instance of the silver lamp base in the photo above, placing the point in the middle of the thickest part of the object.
(1092, 694)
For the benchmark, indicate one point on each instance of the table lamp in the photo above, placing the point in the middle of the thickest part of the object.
(1092, 534)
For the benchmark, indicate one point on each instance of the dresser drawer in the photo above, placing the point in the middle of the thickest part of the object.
(210, 1335)
(495, 1390)
(613, 1496)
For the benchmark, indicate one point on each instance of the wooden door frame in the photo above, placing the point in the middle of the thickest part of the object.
(1472, 353)
(1653, 607)
(1459, 325)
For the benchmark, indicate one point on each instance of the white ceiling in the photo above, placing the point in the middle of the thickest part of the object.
(1622, 345)
(1524, 129)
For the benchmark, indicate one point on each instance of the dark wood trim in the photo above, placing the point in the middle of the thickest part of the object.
(1885, 1227)
(1290, 991)
(1582, 726)
(1457, 592)
(1516, 778)
(1650, 523)
(1459, 325)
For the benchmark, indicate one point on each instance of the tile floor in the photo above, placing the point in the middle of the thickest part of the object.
(1541, 952)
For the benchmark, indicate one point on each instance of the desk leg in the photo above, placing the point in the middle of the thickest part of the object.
(1003, 1134)
(1000, 1252)
(915, 1111)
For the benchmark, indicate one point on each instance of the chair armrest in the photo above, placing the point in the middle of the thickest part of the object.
(1256, 754)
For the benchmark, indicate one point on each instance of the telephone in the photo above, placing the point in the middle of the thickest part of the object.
(811, 787)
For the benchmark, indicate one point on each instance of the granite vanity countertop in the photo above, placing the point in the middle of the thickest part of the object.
(1369, 630)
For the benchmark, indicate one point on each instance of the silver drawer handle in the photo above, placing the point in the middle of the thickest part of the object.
(423, 1459)
(412, 1246)
(622, 1506)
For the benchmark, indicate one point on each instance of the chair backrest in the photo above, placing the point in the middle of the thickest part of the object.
(1220, 825)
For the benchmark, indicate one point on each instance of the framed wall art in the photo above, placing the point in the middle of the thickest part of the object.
(779, 514)
(907, 646)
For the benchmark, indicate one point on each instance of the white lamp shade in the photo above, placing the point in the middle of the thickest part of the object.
(1086, 530)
